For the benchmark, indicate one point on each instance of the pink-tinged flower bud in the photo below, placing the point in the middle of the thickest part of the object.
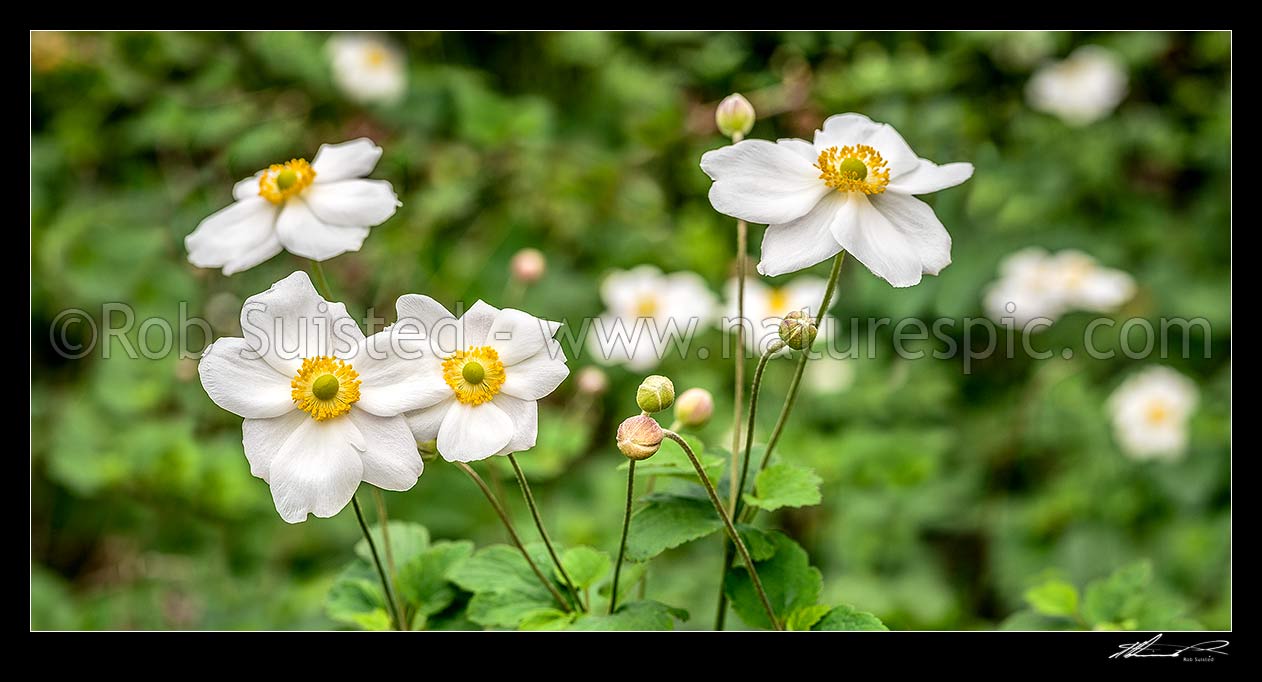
(694, 406)
(592, 380)
(528, 266)
(656, 393)
(639, 437)
(797, 330)
(734, 116)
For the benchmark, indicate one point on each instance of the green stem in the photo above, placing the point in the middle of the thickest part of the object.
(622, 545)
(512, 533)
(381, 572)
(383, 520)
(534, 511)
(321, 282)
(738, 397)
(731, 529)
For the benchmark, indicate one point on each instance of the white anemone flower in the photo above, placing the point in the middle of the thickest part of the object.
(646, 312)
(322, 404)
(850, 189)
(1151, 410)
(1083, 88)
(482, 376)
(1036, 284)
(368, 68)
(766, 306)
(316, 210)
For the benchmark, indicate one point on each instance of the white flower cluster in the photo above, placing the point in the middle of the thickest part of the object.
(1034, 283)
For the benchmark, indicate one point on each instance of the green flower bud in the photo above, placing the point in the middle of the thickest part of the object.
(639, 437)
(735, 116)
(797, 330)
(694, 407)
(656, 393)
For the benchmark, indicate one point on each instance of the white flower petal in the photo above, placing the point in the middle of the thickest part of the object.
(424, 423)
(422, 311)
(928, 177)
(800, 147)
(263, 439)
(516, 335)
(801, 243)
(917, 222)
(318, 469)
(240, 381)
(622, 290)
(352, 202)
(254, 255)
(396, 375)
(249, 187)
(290, 321)
(536, 376)
(872, 239)
(473, 432)
(346, 160)
(851, 129)
(525, 416)
(762, 182)
(243, 229)
(303, 234)
(391, 461)
(476, 323)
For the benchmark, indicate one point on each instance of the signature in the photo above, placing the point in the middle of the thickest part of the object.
(1153, 649)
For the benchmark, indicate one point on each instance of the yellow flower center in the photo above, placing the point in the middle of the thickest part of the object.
(283, 180)
(778, 302)
(474, 375)
(325, 387)
(375, 56)
(1157, 413)
(646, 306)
(857, 168)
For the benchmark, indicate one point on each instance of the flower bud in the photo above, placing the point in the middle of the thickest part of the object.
(734, 116)
(528, 265)
(592, 380)
(428, 450)
(656, 393)
(639, 437)
(694, 407)
(797, 330)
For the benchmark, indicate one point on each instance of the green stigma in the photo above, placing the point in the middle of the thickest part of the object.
(473, 372)
(286, 179)
(325, 388)
(852, 167)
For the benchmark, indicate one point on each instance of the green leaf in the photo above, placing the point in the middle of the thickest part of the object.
(506, 591)
(639, 615)
(788, 578)
(804, 617)
(423, 581)
(758, 541)
(1115, 598)
(671, 461)
(847, 618)
(506, 609)
(1053, 598)
(785, 485)
(548, 619)
(356, 599)
(407, 540)
(668, 521)
(585, 565)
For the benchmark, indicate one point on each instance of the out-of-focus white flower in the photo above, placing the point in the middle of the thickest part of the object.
(1150, 412)
(766, 306)
(1036, 284)
(646, 311)
(851, 189)
(368, 68)
(592, 380)
(482, 377)
(829, 375)
(316, 210)
(1084, 87)
(321, 403)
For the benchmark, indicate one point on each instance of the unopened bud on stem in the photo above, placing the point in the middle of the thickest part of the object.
(734, 116)
(694, 407)
(528, 265)
(797, 330)
(656, 393)
(639, 437)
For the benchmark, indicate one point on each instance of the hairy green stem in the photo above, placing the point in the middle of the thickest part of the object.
(383, 520)
(547, 541)
(512, 533)
(622, 545)
(731, 529)
(381, 571)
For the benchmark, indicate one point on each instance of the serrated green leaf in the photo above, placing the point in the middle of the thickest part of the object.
(1053, 598)
(548, 619)
(757, 541)
(585, 565)
(640, 615)
(667, 521)
(356, 599)
(1115, 598)
(423, 581)
(785, 485)
(506, 591)
(847, 618)
(788, 578)
(804, 617)
(407, 539)
(506, 609)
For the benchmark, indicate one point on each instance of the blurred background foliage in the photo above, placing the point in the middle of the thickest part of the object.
(951, 500)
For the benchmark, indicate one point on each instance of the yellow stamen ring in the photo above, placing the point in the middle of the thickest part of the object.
(325, 387)
(283, 180)
(853, 168)
(474, 375)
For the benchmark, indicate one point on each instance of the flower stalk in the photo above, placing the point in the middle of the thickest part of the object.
(543, 533)
(396, 619)
(622, 544)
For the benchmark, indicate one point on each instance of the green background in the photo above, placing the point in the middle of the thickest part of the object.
(947, 496)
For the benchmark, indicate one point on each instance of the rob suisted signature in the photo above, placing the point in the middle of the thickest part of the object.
(1153, 649)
